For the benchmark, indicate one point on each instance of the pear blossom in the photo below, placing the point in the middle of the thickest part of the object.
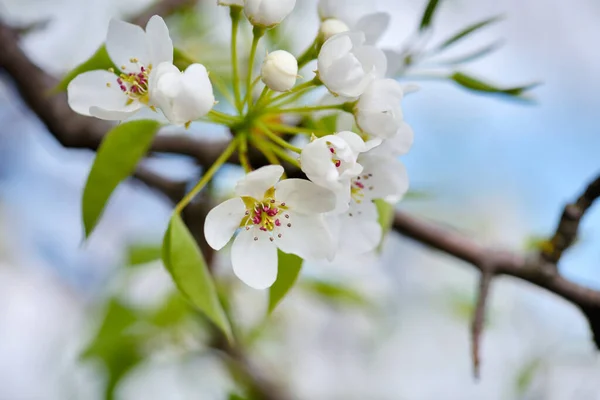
(118, 95)
(378, 111)
(347, 66)
(231, 3)
(357, 230)
(182, 96)
(279, 71)
(398, 145)
(268, 13)
(357, 15)
(331, 27)
(331, 162)
(271, 214)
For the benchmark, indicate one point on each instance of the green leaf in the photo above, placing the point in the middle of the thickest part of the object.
(477, 85)
(385, 212)
(114, 346)
(335, 293)
(428, 14)
(117, 157)
(288, 269)
(184, 261)
(474, 55)
(99, 60)
(139, 254)
(467, 31)
(527, 374)
(173, 311)
(181, 59)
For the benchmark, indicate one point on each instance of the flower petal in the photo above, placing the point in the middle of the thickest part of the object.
(373, 25)
(307, 237)
(114, 115)
(304, 196)
(98, 89)
(354, 141)
(256, 183)
(384, 176)
(124, 42)
(359, 230)
(222, 222)
(254, 261)
(158, 40)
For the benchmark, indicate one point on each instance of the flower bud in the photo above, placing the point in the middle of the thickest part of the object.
(331, 27)
(268, 13)
(182, 96)
(231, 3)
(279, 71)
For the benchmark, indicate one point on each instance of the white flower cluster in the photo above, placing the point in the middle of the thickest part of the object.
(146, 77)
(333, 214)
(330, 215)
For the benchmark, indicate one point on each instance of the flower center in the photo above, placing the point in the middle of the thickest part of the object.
(358, 187)
(268, 215)
(135, 84)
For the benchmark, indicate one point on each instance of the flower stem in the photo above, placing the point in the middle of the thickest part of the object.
(235, 22)
(309, 54)
(265, 150)
(244, 161)
(304, 86)
(257, 34)
(276, 139)
(263, 96)
(208, 175)
(281, 153)
(300, 110)
(296, 129)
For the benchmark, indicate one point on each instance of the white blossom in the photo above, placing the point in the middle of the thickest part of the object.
(118, 96)
(268, 13)
(331, 162)
(357, 230)
(182, 96)
(357, 15)
(347, 66)
(279, 71)
(378, 112)
(271, 214)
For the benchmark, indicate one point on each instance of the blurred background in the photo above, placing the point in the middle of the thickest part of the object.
(390, 326)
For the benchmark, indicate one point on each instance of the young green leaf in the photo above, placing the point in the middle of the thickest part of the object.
(477, 85)
(288, 269)
(99, 60)
(335, 293)
(467, 31)
(385, 211)
(139, 254)
(117, 157)
(473, 55)
(428, 14)
(184, 261)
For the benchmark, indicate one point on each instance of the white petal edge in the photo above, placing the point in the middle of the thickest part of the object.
(96, 89)
(256, 183)
(125, 41)
(160, 45)
(308, 237)
(304, 196)
(222, 222)
(254, 261)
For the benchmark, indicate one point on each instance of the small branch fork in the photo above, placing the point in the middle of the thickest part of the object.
(75, 131)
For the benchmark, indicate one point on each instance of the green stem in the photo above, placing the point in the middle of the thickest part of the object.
(281, 153)
(257, 34)
(208, 175)
(282, 142)
(235, 22)
(265, 150)
(304, 86)
(309, 54)
(262, 97)
(244, 161)
(295, 129)
(218, 115)
(300, 110)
